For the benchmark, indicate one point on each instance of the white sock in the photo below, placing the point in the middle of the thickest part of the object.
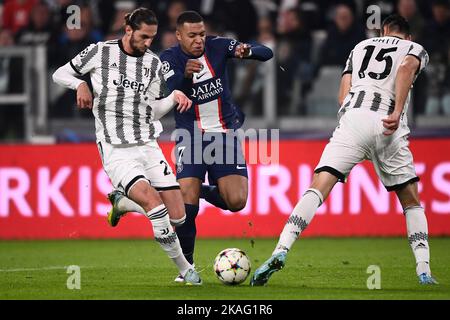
(127, 205)
(167, 238)
(299, 219)
(178, 222)
(417, 227)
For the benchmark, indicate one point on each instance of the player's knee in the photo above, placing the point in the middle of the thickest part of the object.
(236, 203)
(409, 196)
(189, 195)
(146, 198)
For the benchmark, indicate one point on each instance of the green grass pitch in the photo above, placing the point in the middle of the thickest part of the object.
(316, 268)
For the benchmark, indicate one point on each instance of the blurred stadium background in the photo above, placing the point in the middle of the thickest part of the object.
(51, 181)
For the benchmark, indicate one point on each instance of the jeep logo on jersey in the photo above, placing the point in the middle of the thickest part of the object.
(124, 82)
(207, 90)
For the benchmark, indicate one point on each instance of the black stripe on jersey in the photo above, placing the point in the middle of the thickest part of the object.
(148, 112)
(163, 91)
(75, 69)
(151, 130)
(105, 54)
(391, 106)
(152, 74)
(376, 101)
(359, 99)
(88, 57)
(349, 100)
(120, 130)
(410, 48)
(137, 101)
(154, 65)
(422, 54)
(349, 64)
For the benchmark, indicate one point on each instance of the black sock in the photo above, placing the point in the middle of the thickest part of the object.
(212, 195)
(187, 232)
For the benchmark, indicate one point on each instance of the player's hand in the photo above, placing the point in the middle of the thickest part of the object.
(192, 66)
(84, 96)
(184, 103)
(391, 123)
(242, 50)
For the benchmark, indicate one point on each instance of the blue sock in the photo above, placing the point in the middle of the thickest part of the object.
(212, 195)
(187, 232)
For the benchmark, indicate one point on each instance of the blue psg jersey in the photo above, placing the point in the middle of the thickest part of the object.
(212, 108)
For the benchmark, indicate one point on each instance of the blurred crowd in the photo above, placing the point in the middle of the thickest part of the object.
(310, 38)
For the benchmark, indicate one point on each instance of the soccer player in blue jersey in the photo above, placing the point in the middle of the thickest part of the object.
(197, 66)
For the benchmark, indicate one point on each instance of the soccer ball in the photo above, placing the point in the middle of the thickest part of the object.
(232, 266)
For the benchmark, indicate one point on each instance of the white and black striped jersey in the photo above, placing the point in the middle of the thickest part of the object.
(125, 87)
(373, 64)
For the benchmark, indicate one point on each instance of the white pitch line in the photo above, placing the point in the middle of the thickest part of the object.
(38, 269)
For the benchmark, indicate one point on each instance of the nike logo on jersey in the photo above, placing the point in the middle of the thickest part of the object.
(240, 167)
(198, 76)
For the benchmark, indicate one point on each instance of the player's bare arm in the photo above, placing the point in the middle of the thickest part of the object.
(184, 103)
(84, 96)
(344, 88)
(403, 82)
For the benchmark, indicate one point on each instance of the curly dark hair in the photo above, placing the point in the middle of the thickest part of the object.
(140, 15)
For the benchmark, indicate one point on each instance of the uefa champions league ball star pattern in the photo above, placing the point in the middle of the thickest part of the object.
(232, 266)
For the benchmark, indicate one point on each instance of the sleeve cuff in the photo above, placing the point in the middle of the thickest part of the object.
(345, 72)
(77, 83)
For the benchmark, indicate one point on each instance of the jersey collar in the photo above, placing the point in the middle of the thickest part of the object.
(395, 37)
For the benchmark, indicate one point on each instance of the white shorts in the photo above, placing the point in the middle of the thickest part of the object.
(359, 136)
(127, 164)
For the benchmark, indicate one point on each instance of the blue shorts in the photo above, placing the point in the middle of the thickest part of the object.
(215, 154)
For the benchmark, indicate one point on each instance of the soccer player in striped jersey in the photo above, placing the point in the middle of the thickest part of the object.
(374, 97)
(197, 66)
(129, 98)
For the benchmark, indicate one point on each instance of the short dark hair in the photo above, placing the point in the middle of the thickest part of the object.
(140, 15)
(396, 23)
(189, 17)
